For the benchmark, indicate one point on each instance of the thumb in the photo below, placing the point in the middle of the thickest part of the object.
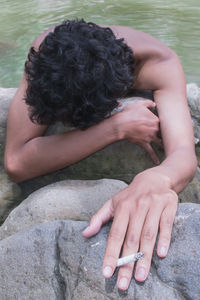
(149, 104)
(101, 217)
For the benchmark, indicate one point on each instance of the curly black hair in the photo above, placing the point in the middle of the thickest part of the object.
(77, 74)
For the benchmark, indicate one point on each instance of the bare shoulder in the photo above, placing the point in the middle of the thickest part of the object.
(144, 45)
(155, 61)
(39, 39)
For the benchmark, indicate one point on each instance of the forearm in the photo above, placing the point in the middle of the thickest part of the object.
(176, 127)
(45, 154)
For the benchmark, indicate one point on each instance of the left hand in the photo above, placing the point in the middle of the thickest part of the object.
(138, 211)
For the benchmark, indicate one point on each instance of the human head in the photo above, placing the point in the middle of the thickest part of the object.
(77, 74)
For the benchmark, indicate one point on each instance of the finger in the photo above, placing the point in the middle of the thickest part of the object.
(149, 103)
(100, 218)
(166, 224)
(147, 242)
(115, 239)
(152, 154)
(131, 246)
(158, 141)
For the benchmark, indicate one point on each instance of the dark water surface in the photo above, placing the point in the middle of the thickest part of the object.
(176, 23)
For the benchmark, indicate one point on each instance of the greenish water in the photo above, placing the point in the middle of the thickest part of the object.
(176, 23)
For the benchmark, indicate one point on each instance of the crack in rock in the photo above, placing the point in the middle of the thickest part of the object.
(60, 288)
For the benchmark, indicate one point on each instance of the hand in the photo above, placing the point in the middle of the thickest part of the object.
(140, 126)
(139, 210)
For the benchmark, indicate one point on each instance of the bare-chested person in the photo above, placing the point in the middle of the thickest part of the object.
(75, 72)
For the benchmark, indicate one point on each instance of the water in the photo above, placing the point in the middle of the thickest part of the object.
(175, 22)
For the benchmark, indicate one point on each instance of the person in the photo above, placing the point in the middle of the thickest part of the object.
(75, 73)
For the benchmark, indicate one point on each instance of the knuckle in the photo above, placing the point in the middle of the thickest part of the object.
(116, 235)
(172, 200)
(148, 234)
(156, 119)
(123, 205)
(145, 262)
(109, 258)
(94, 218)
(131, 241)
(167, 222)
(156, 124)
(165, 238)
(142, 203)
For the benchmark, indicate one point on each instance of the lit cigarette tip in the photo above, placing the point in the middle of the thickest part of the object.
(128, 259)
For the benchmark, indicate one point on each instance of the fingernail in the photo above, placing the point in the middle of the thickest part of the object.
(107, 271)
(123, 283)
(163, 251)
(140, 274)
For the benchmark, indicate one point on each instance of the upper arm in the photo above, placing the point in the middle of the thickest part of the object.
(20, 129)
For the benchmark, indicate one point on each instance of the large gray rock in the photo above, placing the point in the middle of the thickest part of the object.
(69, 199)
(53, 261)
(29, 264)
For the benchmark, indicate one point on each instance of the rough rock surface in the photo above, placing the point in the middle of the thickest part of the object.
(53, 261)
(121, 160)
(69, 199)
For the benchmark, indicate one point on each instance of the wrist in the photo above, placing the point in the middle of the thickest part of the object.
(153, 175)
(117, 127)
(110, 128)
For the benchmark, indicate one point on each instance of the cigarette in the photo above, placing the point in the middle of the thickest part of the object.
(128, 259)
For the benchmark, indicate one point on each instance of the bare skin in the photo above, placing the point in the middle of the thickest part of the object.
(150, 202)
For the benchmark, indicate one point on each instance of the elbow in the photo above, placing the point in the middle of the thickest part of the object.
(13, 168)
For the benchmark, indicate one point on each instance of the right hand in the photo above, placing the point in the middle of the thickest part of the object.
(138, 125)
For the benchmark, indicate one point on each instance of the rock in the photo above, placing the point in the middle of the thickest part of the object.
(9, 191)
(69, 199)
(53, 261)
(180, 269)
(193, 94)
(192, 191)
(29, 264)
(6, 96)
